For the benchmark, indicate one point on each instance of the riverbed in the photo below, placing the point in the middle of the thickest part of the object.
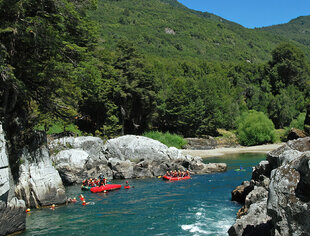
(199, 206)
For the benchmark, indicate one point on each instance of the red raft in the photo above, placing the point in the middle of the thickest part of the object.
(107, 187)
(170, 178)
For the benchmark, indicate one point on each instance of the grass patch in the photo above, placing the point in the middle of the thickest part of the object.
(171, 140)
(280, 135)
(58, 127)
(226, 138)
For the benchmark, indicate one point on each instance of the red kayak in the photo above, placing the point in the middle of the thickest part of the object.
(107, 187)
(170, 178)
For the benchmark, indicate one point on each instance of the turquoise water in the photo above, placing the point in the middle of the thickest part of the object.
(199, 206)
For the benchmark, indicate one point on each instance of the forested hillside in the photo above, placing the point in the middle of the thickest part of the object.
(129, 66)
(297, 29)
(168, 29)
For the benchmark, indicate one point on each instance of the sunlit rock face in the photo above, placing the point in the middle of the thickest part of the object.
(124, 157)
(282, 190)
(39, 183)
(12, 210)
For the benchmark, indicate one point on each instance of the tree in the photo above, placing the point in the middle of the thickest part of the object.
(137, 93)
(286, 106)
(289, 66)
(44, 41)
(180, 108)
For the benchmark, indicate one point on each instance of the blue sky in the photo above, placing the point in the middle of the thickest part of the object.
(252, 13)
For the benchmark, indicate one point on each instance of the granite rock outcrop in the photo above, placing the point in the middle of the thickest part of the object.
(281, 190)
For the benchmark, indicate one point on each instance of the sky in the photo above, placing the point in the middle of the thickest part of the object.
(252, 13)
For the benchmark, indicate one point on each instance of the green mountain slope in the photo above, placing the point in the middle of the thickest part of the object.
(166, 28)
(297, 29)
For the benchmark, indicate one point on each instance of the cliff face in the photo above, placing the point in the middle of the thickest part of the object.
(281, 189)
(12, 210)
(39, 183)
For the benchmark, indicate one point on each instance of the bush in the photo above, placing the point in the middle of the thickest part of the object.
(171, 140)
(255, 128)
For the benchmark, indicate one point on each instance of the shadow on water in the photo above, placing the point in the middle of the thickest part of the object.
(199, 206)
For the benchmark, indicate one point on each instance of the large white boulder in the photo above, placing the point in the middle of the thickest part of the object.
(39, 182)
(137, 148)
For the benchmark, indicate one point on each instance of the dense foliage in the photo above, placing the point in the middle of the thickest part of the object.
(167, 29)
(296, 29)
(132, 66)
(255, 128)
(43, 43)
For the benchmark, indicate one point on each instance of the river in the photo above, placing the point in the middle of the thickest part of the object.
(199, 206)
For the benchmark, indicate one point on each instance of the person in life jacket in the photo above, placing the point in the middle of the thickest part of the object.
(52, 207)
(102, 182)
(72, 200)
(82, 197)
(84, 203)
(127, 186)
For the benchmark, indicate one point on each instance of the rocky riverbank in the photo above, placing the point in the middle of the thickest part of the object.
(277, 199)
(121, 158)
(46, 167)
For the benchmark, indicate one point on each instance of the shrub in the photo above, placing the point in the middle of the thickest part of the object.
(171, 140)
(255, 128)
(298, 123)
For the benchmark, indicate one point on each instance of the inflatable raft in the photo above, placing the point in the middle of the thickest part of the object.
(107, 187)
(170, 178)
